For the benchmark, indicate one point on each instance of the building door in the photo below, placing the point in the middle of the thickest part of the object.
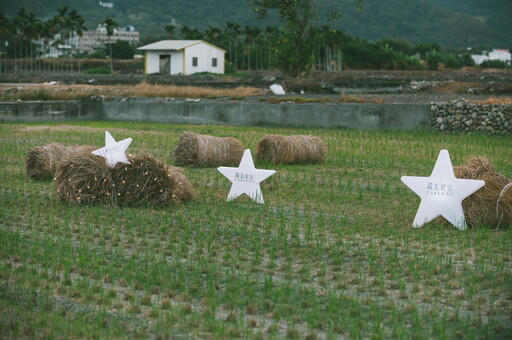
(165, 64)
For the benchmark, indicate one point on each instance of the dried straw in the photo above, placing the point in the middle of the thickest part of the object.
(147, 181)
(298, 149)
(492, 204)
(207, 151)
(85, 178)
(41, 161)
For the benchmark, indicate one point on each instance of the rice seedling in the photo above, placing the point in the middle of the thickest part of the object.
(331, 253)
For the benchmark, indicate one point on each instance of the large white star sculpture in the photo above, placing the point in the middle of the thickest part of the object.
(246, 178)
(441, 193)
(113, 151)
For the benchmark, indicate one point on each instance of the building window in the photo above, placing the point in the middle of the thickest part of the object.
(194, 61)
(214, 62)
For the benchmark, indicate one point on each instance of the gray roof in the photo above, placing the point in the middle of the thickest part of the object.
(173, 45)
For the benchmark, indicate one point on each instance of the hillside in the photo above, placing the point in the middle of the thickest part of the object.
(458, 23)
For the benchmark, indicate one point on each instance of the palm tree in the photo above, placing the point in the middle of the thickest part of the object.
(251, 33)
(76, 26)
(190, 33)
(6, 32)
(233, 32)
(213, 34)
(20, 26)
(58, 27)
(271, 34)
(110, 25)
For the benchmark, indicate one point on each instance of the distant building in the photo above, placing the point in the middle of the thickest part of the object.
(89, 42)
(479, 58)
(57, 46)
(503, 55)
(183, 57)
(106, 4)
(92, 41)
(495, 54)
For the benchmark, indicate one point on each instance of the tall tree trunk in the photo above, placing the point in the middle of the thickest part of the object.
(111, 60)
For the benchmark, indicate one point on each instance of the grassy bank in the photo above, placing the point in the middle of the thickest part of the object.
(331, 253)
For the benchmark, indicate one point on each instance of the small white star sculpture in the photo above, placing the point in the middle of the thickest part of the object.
(441, 193)
(113, 151)
(246, 178)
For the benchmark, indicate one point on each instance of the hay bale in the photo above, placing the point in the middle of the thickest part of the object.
(41, 162)
(492, 204)
(298, 149)
(207, 151)
(147, 181)
(86, 178)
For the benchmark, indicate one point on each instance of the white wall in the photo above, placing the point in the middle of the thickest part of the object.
(153, 61)
(500, 55)
(204, 54)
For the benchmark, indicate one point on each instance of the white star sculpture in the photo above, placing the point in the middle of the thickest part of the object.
(441, 193)
(113, 151)
(246, 178)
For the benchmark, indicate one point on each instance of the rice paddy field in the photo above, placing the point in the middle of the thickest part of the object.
(330, 255)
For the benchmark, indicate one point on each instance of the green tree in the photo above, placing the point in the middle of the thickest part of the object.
(295, 46)
(170, 30)
(233, 32)
(110, 25)
(191, 33)
(6, 32)
(122, 50)
(75, 24)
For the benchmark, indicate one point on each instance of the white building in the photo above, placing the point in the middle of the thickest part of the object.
(106, 4)
(495, 54)
(91, 41)
(503, 55)
(183, 57)
(479, 58)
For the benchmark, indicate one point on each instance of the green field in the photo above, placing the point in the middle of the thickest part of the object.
(331, 253)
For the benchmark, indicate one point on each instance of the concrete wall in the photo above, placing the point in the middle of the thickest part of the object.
(354, 116)
(49, 111)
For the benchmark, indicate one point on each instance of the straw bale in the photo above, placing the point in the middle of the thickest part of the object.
(492, 204)
(298, 149)
(207, 151)
(85, 178)
(41, 162)
(147, 181)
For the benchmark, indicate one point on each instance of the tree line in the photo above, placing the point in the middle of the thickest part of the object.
(27, 39)
(254, 48)
(299, 44)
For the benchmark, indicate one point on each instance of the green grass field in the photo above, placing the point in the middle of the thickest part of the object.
(331, 253)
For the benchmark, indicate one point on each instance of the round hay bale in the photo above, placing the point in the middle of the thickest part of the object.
(41, 162)
(298, 149)
(147, 181)
(84, 178)
(492, 204)
(207, 151)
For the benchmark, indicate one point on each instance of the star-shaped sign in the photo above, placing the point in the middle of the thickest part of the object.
(113, 151)
(246, 178)
(442, 193)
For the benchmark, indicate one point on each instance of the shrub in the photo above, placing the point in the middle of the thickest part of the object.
(97, 70)
(494, 64)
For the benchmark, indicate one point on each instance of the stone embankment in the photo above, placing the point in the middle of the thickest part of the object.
(460, 116)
